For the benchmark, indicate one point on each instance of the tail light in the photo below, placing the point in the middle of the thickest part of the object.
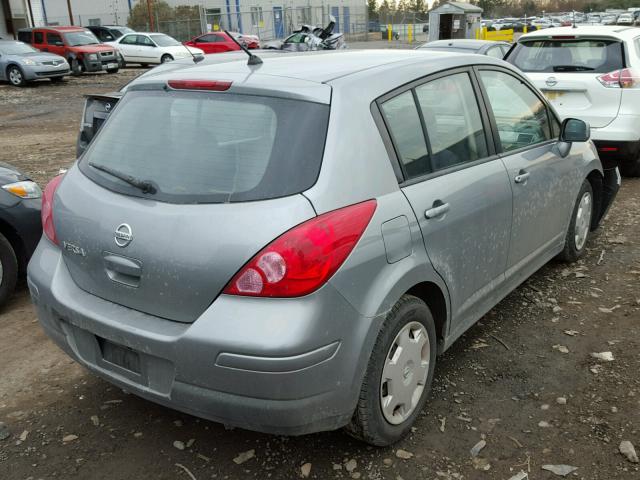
(625, 78)
(302, 260)
(47, 209)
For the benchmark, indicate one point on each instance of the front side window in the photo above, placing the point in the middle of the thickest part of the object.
(521, 116)
(207, 38)
(402, 119)
(145, 41)
(452, 118)
(54, 39)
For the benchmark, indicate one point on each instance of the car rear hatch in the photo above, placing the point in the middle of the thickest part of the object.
(223, 172)
(568, 69)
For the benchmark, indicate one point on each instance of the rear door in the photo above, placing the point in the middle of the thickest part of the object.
(458, 189)
(541, 179)
(129, 49)
(567, 69)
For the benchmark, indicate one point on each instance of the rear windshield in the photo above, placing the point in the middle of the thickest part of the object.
(210, 147)
(597, 56)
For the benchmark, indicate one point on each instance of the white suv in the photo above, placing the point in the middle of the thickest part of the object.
(591, 73)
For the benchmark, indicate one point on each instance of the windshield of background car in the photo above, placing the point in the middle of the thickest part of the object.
(76, 39)
(199, 147)
(583, 55)
(165, 41)
(16, 48)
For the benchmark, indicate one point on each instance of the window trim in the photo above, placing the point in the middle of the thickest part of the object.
(494, 126)
(389, 141)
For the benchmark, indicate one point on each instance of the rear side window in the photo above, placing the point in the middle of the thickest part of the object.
(24, 37)
(403, 121)
(38, 37)
(210, 147)
(598, 56)
(521, 117)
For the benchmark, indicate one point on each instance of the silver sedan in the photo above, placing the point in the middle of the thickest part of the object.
(21, 63)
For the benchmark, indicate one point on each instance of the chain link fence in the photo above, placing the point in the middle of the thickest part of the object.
(405, 27)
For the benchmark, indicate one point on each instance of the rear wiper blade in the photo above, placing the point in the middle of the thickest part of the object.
(144, 185)
(572, 68)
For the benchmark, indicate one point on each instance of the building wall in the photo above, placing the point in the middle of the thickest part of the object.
(3, 25)
(85, 12)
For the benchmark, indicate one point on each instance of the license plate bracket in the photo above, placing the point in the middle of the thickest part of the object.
(119, 355)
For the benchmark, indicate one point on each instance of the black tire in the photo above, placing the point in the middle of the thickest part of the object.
(57, 79)
(368, 422)
(76, 68)
(144, 65)
(572, 252)
(166, 58)
(113, 70)
(15, 76)
(9, 264)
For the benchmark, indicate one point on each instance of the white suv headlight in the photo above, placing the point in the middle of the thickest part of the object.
(24, 189)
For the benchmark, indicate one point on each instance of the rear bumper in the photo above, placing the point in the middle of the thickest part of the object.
(283, 366)
(100, 64)
(613, 153)
(624, 128)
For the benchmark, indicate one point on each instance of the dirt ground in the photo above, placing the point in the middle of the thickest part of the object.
(523, 379)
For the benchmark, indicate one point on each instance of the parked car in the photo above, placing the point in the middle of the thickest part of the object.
(625, 19)
(20, 63)
(591, 72)
(215, 42)
(152, 48)
(249, 41)
(480, 47)
(310, 38)
(109, 33)
(421, 188)
(609, 20)
(20, 226)
(79, 46)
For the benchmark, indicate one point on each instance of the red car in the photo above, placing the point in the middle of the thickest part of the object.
(79, 46)
(218, 42)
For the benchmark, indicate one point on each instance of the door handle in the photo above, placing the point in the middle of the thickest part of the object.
(437, 210)
(522, 176)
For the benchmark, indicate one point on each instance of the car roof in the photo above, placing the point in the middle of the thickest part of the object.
(309, 75)
(617, 31)
(62, 29)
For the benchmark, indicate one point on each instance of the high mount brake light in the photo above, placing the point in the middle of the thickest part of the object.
(46, 214)
(212, 85)
(625, 78)
(301, 260)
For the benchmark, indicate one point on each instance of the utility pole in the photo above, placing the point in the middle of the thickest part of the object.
(70, 12)
(149, 10)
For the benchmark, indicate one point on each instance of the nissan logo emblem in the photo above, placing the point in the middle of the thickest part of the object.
(551, 82)
(123, 235)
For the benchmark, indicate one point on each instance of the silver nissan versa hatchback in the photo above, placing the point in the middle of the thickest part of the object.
(286, 247)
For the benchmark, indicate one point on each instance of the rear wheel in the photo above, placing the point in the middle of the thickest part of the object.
(8, 270)
(15, 76)
(166, 58)
(399, 375)
(575, 243)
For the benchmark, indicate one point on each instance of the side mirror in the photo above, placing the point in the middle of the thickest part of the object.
(574, 130)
